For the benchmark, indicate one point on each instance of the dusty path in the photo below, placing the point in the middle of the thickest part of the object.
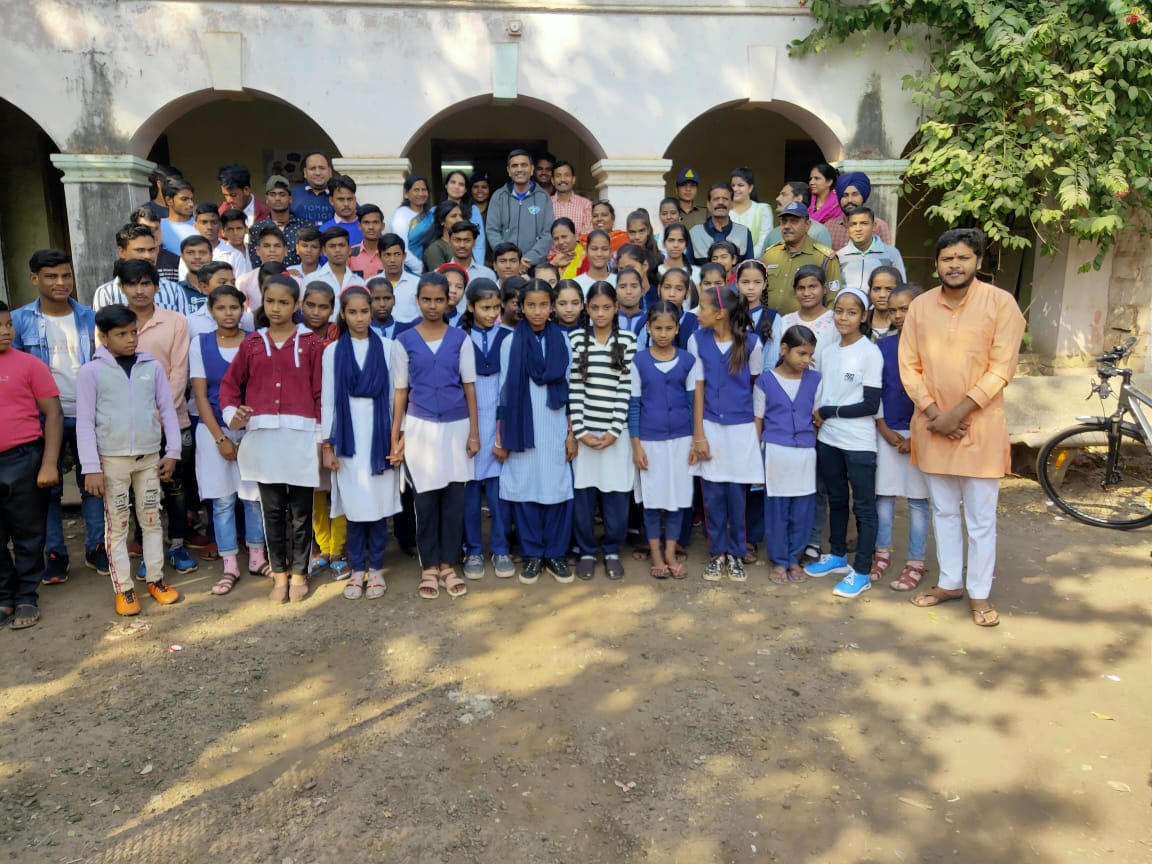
(756, 723)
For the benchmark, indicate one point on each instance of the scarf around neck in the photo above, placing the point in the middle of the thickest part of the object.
(371, 382)
(539, 358)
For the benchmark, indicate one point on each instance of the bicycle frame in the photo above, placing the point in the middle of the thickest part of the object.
(1129, 401)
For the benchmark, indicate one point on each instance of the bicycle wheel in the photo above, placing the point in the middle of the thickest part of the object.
(1072, 470)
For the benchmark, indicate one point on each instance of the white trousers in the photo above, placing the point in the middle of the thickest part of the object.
(979, 496)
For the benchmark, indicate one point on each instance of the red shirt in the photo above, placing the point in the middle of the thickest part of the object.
(23, 380)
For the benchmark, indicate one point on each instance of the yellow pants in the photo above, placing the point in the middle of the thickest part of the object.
(331, 534)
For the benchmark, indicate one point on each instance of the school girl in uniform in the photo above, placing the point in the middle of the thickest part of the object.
(569, 313)
(534, 438)
(317, 313)
(728, 357)
(896, 476)
(785, 398)
(752, 283)
(357, 430)
(278, 370)
(217, 472)
(482, 324)
(600, 388)
(660, 422)
(846, 442)
(435, 432)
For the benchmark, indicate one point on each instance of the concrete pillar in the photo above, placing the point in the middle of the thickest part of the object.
(100, 190)
(631, 184)
(886, 175)
(379, 179)
(1069, 316)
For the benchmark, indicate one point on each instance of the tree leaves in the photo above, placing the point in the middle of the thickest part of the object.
(1036, 113)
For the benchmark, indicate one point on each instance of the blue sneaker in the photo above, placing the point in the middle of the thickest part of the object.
(828, 565)
(852, 585)
(181, 561)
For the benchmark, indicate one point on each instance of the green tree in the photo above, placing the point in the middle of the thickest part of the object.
(1036, 112)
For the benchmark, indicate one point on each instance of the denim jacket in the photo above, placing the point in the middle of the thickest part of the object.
(31, 331)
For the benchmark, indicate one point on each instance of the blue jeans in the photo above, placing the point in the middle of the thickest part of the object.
(224, 524)
(91, 506)
(850, 476)
(917, 525)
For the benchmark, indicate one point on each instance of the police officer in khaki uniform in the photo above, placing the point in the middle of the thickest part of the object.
(794, 251)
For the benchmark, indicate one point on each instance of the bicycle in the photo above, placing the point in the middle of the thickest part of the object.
(1100, 471)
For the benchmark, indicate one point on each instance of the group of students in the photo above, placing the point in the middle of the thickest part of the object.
(566, 401)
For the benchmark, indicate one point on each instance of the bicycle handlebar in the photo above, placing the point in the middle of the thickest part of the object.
(1118, 353)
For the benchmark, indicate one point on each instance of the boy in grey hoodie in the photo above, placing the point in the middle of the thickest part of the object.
(122, 402)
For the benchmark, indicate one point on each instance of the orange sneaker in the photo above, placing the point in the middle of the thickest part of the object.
(163, 593)
(127, 603)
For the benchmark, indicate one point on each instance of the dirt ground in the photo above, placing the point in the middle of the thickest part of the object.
(635, 722)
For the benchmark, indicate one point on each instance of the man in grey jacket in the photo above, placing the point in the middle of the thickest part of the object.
(520, 212)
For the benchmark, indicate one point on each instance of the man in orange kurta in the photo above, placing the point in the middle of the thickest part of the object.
(958, 351)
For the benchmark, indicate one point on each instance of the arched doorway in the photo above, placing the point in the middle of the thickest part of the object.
(477, 134)
(778, 141)
(32, 212)
(202, 131)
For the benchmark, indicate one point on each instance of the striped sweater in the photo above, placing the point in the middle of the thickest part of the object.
(599, 402)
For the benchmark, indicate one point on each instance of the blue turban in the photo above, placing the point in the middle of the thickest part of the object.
(853, 178)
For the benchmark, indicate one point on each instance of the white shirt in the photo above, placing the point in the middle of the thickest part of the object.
(406, 308)
(846, 371)
(325, 274)
(65, 358)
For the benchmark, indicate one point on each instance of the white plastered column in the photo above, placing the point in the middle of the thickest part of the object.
(886, 175)
(379, 179)
(100, 190)
(631, 184)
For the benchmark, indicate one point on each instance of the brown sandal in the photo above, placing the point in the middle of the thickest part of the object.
(986, 617)
(909, 578)
(936, 595)
(225, 583)
(297, 588)
(881, 561)
(279, 592)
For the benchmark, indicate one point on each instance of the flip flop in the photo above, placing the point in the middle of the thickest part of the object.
(30, 615)
(677, 570)
(660, 571)
(928, 599)
(986, 617)
(778, 576)
(796, 574)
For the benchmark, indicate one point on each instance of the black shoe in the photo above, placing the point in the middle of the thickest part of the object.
(530, 571)
(586, 568)
(55, 569)
(558, 567)
(97, 559)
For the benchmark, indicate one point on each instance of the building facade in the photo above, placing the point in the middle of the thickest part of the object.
(630, 92)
